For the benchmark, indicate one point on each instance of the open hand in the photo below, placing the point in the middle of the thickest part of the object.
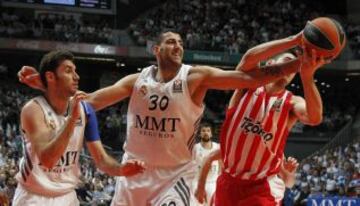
(200, 194)
(290, 165)
(132, 167)
(75, 105)
(29, 76)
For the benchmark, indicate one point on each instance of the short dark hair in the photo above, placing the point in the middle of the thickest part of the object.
(160, 37)
(51, 61)
(206, 124)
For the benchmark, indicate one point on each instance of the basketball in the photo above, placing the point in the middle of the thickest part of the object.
(326, 36)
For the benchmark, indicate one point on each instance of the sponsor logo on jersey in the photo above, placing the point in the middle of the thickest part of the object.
(250, 126)
(52, 124)
(153, 126)
(277, 104)
(65, 162)
(177, 86)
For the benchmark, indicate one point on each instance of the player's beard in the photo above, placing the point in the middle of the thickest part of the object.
(206, 139)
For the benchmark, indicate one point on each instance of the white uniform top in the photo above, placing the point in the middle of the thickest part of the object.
(162, 120)
(64, 176)
(200, 153)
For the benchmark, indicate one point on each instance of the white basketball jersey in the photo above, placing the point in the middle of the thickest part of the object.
(64, 176)
(200, 153)
(162, 120)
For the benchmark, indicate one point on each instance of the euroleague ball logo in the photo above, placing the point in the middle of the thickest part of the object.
(143, 90)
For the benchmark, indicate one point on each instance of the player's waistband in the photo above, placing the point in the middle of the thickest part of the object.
(44, 192)
(153, 166)
(239, 180)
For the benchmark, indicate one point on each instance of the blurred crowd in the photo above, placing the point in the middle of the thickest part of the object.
(334, 172)
(55, 26)
(353, 34)
(232, 26)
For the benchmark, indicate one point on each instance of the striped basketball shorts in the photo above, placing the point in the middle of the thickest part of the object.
(156, 187)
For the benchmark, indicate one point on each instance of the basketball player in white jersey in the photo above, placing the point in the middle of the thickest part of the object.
(165, 108)
(54, 127)
(254, 134)
(286, 173)
(200, 152)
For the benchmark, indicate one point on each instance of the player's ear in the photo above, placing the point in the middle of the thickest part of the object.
(156, 49)
(49, 76)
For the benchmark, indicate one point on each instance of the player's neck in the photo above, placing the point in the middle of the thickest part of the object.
(274, 89)
(206, 145)
(58, 103)
(166, 72)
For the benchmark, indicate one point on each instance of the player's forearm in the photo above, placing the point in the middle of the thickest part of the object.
(262, 76)
(51, 153)
(110, 166)
(204, 173)
(264, 51)
(101, 98)
(289, 179)
(314, 106)
(213, 156)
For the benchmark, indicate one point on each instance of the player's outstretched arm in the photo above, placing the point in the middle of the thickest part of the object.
(214, 78)
(309, 110)
(112, 94)
(102, 160)
(109, 165)
(48, 147)
(99, 99)
(200, 192)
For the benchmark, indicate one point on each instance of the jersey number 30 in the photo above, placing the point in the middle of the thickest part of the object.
(156, 101)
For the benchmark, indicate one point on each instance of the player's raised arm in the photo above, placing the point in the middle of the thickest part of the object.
(264, 51)
(248, 74)
(309, 110)
(48, 147)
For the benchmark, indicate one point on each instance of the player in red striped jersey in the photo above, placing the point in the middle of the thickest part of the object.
(255, 131)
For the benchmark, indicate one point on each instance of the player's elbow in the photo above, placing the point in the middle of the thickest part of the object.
(247, 59)
(315, 120)
(47, 162)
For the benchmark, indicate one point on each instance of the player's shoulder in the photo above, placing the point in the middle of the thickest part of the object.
(32, 106)
(296, 99)
(197, 146)
(31, 111)
(216, 145)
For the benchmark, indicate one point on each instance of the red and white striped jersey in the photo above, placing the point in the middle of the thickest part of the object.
(254, 133)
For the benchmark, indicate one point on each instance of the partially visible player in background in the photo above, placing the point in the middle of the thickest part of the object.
(54, 127)
(201, 151)
(286, 173)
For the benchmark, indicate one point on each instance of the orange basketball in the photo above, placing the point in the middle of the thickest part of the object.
(325, 35)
